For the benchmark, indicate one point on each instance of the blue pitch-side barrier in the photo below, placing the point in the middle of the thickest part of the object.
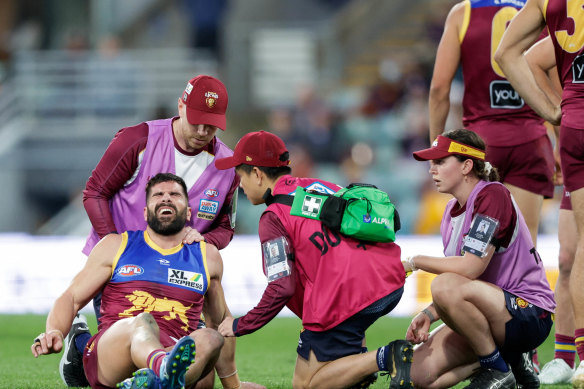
(37, 269)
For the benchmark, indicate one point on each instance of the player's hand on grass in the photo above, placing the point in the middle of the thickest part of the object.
(226, 327)
(47, 343)
(419, 329)
(192, 235)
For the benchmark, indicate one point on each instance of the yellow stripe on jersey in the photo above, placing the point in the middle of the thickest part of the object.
(121, 249)
(465, 21)
(162, 251)
(203, 246)
(579, 339)
(544, 10)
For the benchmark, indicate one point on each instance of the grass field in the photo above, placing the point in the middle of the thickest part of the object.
(266, 357)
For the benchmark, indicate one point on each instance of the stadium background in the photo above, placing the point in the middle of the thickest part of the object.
(344, 83)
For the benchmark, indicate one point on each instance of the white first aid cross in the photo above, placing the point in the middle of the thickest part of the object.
(311, 204)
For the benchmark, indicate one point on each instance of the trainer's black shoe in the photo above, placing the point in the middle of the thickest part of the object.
(491, 379)
(71, 365)
(525, 373)
(401, 355)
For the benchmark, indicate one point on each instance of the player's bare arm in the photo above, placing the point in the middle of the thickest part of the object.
(214, 307)
(542, 62)
(521, 34)
(447, 61)
(95, 273)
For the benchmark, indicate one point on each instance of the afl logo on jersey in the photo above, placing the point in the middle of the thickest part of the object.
(212, 193)
(130, 270)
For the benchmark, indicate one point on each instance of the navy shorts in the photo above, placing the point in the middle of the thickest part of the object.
(528, 328)
(347, 337)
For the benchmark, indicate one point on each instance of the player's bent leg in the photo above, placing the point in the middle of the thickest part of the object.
(529, 204)
(208, 344)
(124, 347)
(443, 361)
(206, 382)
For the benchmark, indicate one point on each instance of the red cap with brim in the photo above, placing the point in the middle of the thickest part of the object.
(443, 147)
(211, 119)
(259, 148)
(206, 100)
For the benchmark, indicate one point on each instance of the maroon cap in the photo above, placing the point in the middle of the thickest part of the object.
(206, 100)
(257, 149)
(443, 147)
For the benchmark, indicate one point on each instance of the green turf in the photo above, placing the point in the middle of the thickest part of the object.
(266, 357)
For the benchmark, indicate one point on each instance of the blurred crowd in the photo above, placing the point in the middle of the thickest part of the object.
(363, 133)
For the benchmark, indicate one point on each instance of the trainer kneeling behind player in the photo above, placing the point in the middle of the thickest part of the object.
(491, 291)
(154, 289)
(337, 285)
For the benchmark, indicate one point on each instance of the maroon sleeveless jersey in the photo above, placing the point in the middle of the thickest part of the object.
(565, 21)
(339, 276)
(491, 107)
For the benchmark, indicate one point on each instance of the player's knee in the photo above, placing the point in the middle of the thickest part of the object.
(146, 319)
(212, 338)
(565, 262)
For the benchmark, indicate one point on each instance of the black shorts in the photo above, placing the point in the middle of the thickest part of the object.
(347, 337)
(528, 328)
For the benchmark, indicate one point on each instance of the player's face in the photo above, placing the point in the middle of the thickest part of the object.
(251, 188)
(167, 208)
(446, 173)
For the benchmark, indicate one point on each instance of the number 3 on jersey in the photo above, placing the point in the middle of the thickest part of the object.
(573, 43)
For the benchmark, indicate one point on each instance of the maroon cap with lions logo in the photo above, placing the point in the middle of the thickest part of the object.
(206, 101)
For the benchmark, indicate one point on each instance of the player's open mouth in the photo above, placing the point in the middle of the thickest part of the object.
(166, 211)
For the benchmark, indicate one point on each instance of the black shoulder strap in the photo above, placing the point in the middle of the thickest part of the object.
(279, 198)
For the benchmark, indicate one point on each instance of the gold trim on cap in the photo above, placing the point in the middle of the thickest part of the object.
(459, 148)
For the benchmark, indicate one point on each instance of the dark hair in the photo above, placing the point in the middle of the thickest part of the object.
(271, 172)
(471, 138)
(166, 177)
